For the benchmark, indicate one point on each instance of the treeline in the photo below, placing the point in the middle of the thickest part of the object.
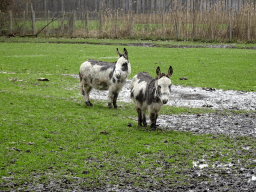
(136, 6)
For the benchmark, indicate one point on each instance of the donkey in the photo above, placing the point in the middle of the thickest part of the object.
(104, 76)
(150, 94)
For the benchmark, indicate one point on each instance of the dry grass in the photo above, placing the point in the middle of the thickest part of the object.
(216, 23)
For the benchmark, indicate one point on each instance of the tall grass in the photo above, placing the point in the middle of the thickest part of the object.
(216, 23)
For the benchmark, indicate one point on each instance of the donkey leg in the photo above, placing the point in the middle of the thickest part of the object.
(110, 100)
(153, 117)
(86, 91)
(139, 117)
(144, 120)
(114, 99)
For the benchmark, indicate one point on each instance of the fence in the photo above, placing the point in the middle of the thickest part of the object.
(213, 23)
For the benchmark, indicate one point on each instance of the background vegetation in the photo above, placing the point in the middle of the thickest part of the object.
(212, 21)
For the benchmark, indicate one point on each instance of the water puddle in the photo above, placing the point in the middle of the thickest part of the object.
(193, 97)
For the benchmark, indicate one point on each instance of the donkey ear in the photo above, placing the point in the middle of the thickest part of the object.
(125, 53)
(119, 54)
(158, 72)
(170, 72)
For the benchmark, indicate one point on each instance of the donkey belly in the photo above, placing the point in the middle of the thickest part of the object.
(95, 77)
(138, 96)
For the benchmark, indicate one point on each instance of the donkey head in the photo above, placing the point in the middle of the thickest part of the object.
(123, 68)
(163, 84)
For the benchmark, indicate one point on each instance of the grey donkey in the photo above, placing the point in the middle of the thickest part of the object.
(104, 76)
(148, 93)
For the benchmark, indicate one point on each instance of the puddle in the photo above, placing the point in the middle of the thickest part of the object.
(193, 97)
(200, 165)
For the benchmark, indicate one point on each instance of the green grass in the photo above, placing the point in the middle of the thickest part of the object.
(48, 133)
(218, 68)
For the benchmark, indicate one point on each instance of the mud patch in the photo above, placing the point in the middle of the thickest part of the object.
(193, 97)
(219, 123)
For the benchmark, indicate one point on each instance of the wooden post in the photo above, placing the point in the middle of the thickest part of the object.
(47, 28)
(24, 23)
(194, 21)
(116, 27)
(26, 8)
(87, 23)
(1, 20)
(230, 27)
(163, 29)
(45, 8)
(10, 22)
(131, 25)
(100, 22)
(177, 28)
(212, 30)
(248, 26)
(62, 6)
(74, 23)
(147, 23)
(34, 22)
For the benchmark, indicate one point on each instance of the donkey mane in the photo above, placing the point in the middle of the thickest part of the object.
(93, 62)
(150, 93)
(160, 76)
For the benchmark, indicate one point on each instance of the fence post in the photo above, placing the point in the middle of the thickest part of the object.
(87, 23)
(100, 22)
(230, 27)
(74, 23)
(163, 29)
(47, 28)
(24, 22)
(131, 25)
(34, 22)
(116, 23)
(248, 24)
(10, 22)
(1, 20)
(194, 20)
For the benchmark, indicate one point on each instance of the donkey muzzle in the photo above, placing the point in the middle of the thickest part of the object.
(165, 101)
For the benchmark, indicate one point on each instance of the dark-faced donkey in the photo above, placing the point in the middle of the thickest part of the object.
(150, 94)
(104, 76)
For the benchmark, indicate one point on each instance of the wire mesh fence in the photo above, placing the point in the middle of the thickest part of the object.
(216, 22)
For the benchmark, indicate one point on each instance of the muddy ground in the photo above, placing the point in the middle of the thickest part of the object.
(148, 44)
(235, 176)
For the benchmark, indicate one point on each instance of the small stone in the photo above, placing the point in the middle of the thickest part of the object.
(183, 78)
(104, 132)
(85, 172)
(13, 161)
(129, 125)
(42, 79)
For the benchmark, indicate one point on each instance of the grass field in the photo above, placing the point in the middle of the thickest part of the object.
(48, 133)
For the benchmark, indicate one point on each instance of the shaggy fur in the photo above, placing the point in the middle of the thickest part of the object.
(104, 76)
(150, 94)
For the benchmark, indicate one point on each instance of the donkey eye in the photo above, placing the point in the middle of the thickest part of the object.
(124, 67)
(159, 87)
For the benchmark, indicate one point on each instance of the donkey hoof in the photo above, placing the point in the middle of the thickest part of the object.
(115, 106)
(153, 127)
(88, 103)
(110, 105)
